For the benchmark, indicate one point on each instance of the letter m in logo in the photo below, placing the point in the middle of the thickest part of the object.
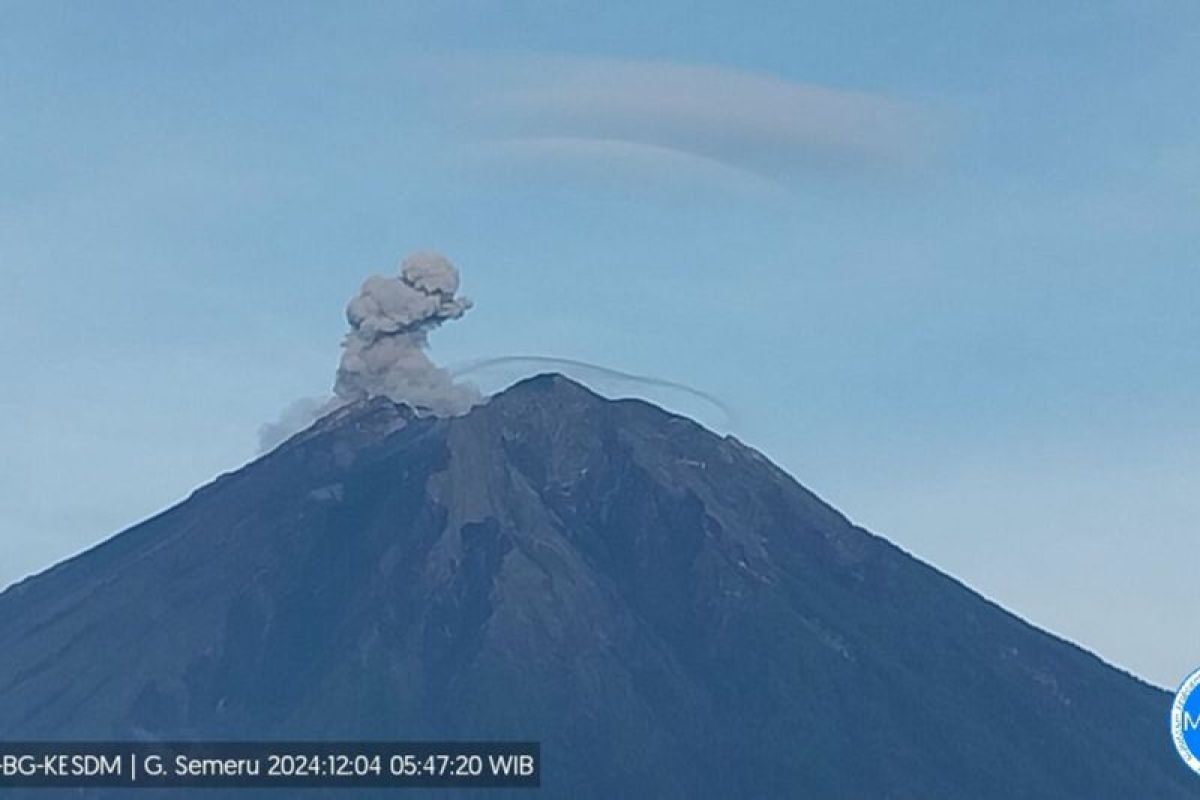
(1191, 723)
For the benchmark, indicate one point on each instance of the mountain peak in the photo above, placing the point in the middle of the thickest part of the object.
(547, 387)
(546, 382)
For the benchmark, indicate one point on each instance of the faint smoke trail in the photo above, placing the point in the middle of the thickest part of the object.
(465, 368)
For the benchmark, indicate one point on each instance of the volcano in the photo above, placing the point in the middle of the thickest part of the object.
(668, 613)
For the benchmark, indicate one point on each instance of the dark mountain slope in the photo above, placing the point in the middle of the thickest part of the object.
(669, 613)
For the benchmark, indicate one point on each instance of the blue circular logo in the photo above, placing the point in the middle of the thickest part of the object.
(1185, 721)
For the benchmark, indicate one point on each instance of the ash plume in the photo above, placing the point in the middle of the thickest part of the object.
(390, 320)
(384, 353)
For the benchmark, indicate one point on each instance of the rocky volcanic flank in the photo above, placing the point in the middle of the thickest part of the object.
(666, 611)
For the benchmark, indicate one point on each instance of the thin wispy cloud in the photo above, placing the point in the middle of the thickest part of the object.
(615, 160)
(673, 114)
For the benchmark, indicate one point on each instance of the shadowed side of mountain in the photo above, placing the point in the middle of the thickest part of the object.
(669, 613)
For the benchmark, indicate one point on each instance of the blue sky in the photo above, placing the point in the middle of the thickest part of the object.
(941, 258)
